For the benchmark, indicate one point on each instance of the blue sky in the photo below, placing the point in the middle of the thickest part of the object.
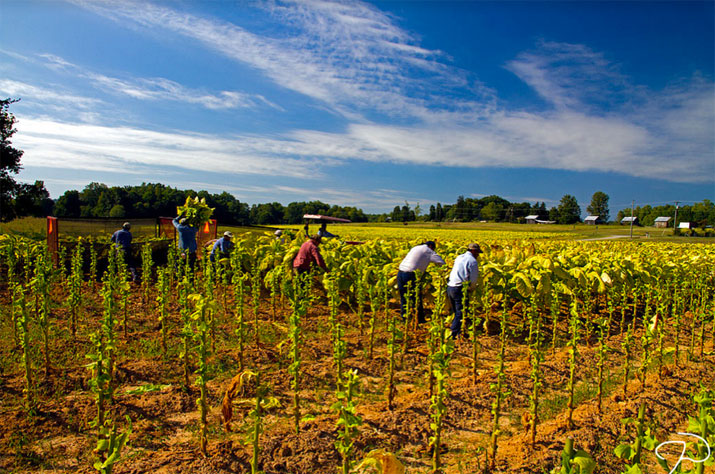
(367, 104)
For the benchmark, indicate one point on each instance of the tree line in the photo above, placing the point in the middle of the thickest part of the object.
(153, 200)
(497, 209)
(701, 214)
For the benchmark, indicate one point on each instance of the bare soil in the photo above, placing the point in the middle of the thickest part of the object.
(58, 437)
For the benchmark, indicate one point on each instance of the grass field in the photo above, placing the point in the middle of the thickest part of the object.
(35, 227)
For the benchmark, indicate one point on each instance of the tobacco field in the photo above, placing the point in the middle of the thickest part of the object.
(580, 357)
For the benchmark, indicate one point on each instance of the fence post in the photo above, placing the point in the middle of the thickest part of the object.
(53, 239)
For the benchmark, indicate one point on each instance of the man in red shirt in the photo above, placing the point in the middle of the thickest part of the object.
(309, 255)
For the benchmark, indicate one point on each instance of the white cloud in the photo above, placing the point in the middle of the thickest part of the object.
(357, 62)
(30, 92)
(572, 76)
(90, 147)
(350, 57)
(159, 88)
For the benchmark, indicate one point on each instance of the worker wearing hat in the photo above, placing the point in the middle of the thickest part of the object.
(308, 256)
(465, 270)
(222, 246)
(123, 242)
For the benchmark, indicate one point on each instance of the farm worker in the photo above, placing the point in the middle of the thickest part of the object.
(323, 232)
(465, 270)
(222, 246)
(187, 238)
(309, 256)
(418, 258)
(123, 242)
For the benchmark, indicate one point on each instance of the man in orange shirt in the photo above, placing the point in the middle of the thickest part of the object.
(309, 256)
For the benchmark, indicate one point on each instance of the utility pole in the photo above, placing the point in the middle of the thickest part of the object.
(633, 203)
(675, 222)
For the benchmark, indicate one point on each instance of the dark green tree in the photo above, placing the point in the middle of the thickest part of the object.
(68, 205)
(33, 200)
(9, 161)
(569, 211)
(492, 212)
(599, 206)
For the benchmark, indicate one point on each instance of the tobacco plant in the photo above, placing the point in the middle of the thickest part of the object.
(263, 402)
(185, 289)
(574, 462)
(74, 298)
(348, 420)
(626, 345)
(602, 326)
(393, 334)
(573, 357)
(498, 388)
(631, 452)
(92, 262)
(374, 295)
(40, 284)
(239, 290)
(536, 357)
(147, 269)
(255, 299)
(299, 303)
(438, 409)
(162, 300)
(19, 303)
(203, 310)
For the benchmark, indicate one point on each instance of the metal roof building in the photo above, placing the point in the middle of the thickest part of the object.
(532, 219)
(662, 221)
(592, 220)
(628, 220)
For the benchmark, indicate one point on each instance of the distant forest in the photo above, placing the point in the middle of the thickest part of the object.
(98, 200)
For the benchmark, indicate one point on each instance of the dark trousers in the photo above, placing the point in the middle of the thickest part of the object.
(403, 280)
(129, 262)
(455, 294)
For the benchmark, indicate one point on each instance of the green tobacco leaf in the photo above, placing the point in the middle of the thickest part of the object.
(584, 461)
(634, 469)
(624, 451)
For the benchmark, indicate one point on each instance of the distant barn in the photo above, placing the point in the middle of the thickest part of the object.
(592, 220)
(532, 219)
(662, 221)
(629, 220)
(685, 225)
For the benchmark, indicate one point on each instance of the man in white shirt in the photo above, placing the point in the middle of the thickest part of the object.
(465, 270)
(418, 258)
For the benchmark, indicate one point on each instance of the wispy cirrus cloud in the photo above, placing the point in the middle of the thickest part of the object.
(403, 103)
(571, 76)
(159, 88)
(350, 57)
(13, 88)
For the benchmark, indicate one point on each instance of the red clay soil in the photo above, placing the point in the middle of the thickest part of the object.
(164, 439)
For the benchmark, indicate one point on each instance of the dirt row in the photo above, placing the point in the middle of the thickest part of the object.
(58, 437)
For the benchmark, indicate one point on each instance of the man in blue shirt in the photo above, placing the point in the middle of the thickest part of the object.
(123, 242)
(465, 270)
(222, 246)
(187, 238)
